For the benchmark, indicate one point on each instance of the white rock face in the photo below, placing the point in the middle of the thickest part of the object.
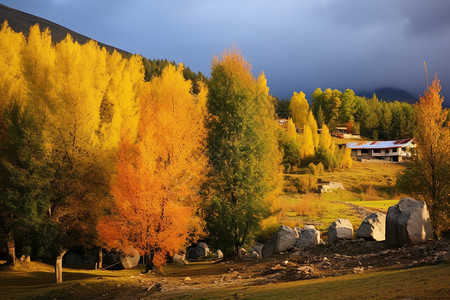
(307, 236)
(339, 230)
(129, 258)
(408, 222)
(285, 239)
(373, 228)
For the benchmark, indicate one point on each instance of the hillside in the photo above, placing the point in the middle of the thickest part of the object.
(389, 94)
(21, 22)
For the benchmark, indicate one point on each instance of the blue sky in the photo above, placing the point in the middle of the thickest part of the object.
(300, 45)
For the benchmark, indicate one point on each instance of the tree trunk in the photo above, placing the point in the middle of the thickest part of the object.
(58, 267)
(100, 257)
(239, 252)
(11, 250)
(149, 265)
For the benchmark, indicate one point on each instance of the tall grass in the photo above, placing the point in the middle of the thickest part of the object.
(310, 205)
(371, 194)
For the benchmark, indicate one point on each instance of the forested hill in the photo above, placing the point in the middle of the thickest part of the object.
(21, 22)
(389, 94)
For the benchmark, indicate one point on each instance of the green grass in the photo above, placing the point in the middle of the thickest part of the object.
(382, 205)
(428, 282)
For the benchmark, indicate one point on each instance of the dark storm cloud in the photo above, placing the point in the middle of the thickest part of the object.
(300, 45)
(430, 18)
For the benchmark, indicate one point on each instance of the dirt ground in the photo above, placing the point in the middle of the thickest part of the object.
(341, 258)
(335, 261)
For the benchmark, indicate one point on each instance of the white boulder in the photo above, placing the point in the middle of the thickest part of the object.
(307, 236)
(339, 230)
(373, 227)
(129, 258)
(408, 222)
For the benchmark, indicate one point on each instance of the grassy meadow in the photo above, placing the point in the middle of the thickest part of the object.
(367, 187)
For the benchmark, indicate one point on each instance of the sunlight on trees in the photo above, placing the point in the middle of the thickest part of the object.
(428, 174)
(243, 153)
(159, 175)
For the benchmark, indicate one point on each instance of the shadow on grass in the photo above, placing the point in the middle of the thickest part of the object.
(21, 279)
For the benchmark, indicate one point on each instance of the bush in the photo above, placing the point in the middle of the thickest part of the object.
(306, 183)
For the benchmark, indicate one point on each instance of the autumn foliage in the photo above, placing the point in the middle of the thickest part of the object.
(159, 173)
(428, 175)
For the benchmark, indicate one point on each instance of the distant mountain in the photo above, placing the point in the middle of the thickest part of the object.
(389, 94)
(21, 22)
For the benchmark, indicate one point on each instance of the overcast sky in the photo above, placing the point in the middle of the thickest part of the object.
(300, 45)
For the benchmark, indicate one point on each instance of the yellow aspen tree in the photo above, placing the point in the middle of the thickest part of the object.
(38, 60)
(299, 109)
(307, 147)
(325, 137)
(12, 85)
(273, 174)
(80, 83)
(347, 160)
(311, 121)
(290, 129)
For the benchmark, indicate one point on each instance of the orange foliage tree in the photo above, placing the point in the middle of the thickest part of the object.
(159, 172)
(428, 174)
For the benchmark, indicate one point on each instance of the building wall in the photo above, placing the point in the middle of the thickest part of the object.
(391, 154)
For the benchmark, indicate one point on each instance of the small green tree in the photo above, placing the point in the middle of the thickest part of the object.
(243, 153)
(24, 178)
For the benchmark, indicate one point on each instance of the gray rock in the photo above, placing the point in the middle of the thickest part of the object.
(282, 240)
(339, 230)
(373, 228)
(204, 246)
(130, 258)
(408, 222)
(257, 247)
(180, 259)
(254, 255)
(285, 239)
(269, 247)
(199, 251)
(307, 236)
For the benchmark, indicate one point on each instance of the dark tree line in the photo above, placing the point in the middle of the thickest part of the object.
(154, 67)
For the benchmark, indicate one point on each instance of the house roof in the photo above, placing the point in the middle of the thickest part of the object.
(379, 144)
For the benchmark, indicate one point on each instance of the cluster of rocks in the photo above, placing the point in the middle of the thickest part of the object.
(286, 238)
(197, 252)
(408, 222)
(127, 259)
(345, 257)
